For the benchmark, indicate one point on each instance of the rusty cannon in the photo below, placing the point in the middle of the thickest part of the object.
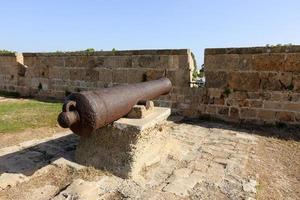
(87, 111)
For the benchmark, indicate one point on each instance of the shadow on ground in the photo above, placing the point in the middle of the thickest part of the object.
(29, 160)
(283, 133)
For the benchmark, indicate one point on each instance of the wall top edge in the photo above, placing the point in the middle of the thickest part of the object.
(113, 53)
(254, 50)
(8, 54)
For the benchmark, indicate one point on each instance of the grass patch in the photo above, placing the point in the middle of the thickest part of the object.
(20, 115)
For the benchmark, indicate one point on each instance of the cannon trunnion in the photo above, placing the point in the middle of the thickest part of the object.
(87, 111)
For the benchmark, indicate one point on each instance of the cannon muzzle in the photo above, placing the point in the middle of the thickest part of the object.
(87, 111)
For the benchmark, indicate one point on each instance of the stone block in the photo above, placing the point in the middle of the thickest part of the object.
(120, 76)
(276, 81)
(151, 61)
(183, 61)
(216, 79)
(294, 97)
(247, 113)
(140, 111)
(244, 81)
(234, 112)
(245, 62)
(215, 92)
(154, 74)
(126, 147)
(117, 61)
(291, 106)
(296, 83)
(223, 111)
(77, 74)
(106, 75)
(268, 62)
(272, 105)
(238, 95)
(211, 109)
(136, 75)
(179, 78)
(255, 103)
(285, 116)
(223, 62)
(92, 75)
(266, 115)
(292, 62)
(297, 117)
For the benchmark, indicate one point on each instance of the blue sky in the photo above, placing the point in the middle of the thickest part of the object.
(67, 25)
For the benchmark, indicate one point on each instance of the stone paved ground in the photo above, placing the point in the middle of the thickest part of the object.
(199, 161)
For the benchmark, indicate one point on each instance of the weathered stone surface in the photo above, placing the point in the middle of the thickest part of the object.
(247, 113)
(273, 105)
(124, 139)
(268, 62)
(284, 116)
(238, 77)
(216, 79)
(276, 81)
(234, 112)
(292, 62)
(222, 62)
(266, 115)
(244, 81)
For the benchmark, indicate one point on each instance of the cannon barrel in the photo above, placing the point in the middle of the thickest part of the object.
(87, 111)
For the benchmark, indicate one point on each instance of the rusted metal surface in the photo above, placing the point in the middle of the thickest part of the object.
(87, 111)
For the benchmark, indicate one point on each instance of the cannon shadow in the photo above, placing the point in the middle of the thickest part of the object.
(29, 160)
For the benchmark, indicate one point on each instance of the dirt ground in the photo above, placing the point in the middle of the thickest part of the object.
(276, 165)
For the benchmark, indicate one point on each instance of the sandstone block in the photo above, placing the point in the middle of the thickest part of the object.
(266, 115)
(275, 81)
(255, 103)
(106, 75)
(151, 61)
(297, 117)
(211, 109)
(292, 107)
(117, 61)
(284, 116)
(223, 110)
(248, 113)
(268, 62)
(226, 62)
(244, 81)
(234, 112)
(238, 95)
(120, 75)
(154, 74)
(296, 83)
(136, 75)
(77, 74)
(292, 62)
(216, 79)
(272, 105)
(215, 92)
(179, 78)
(92, 75)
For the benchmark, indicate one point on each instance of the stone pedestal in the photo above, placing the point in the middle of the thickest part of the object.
(119, 147)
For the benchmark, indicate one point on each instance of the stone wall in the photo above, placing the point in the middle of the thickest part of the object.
(258, 85)
(57, 74)
(9, 72)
